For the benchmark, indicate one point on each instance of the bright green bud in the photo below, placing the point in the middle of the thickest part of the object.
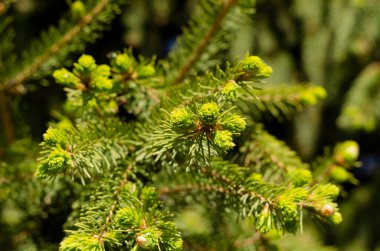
(234, 123)
(182, 119)
(300, 177)
(78, 9)
(253, 67)
(86, 64)
(208, 113)
(336, 218)
(102, 84)
(308, 98)
(312, 95)
(146, 71)
(339, 174)
(348, 151)
(266, 71)
(87, 61)
(123, 62)
(103, 70)
(54, 137)
(230, 91)
(65, 77)
(319, 92)
(58, 160)
(223, 140)
(128, 217)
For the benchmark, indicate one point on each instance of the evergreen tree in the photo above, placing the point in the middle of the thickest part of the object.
(168, 154)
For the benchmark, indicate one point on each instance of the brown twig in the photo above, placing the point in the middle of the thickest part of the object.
(6, 119)
(115, 202)
(197, 52)
(192, 188)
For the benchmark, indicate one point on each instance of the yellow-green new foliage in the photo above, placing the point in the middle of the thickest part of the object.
(230, 91)
(78, 9)
(233, 123)
(300, 177)
(253, 67)
(58, 161)
(208, 113)
(223, 140)
(182, 119)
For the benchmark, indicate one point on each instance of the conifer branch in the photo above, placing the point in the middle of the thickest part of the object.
(270, 156)
(216, 176)
(233, 185)
(54, 48)
(182, 150)
(280, 101)
(115, 202)
(198, 51)
(190, 188)
(101, 146)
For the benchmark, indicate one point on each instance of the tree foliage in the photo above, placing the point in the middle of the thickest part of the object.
(140, 140)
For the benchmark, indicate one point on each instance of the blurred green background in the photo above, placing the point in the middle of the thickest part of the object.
(333, 43)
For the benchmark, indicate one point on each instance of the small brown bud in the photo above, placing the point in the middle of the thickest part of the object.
(327, 210)
(3, 8)
(141, 240)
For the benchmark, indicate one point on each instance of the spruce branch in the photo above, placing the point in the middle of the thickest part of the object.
(200, 48)
(273, 206)
(112, 209)
(280, 101)
(89, 150)
(334, 165)
(182, 148)
(121, 215)
(28, 69)
(213, 23)
(192, 188)
(235, 81)
(270, 156)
